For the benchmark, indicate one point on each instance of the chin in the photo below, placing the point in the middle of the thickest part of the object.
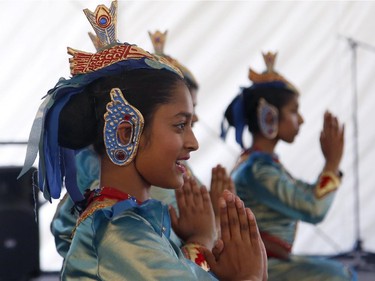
(178, 184)
(175, 184)
(289, 140)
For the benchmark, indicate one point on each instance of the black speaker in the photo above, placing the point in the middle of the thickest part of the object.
(19, 228)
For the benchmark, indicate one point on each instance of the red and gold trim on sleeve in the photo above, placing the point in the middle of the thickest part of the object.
(328, 182)
(193, 252)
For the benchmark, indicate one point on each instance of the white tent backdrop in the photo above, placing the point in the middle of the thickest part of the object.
(218, 41)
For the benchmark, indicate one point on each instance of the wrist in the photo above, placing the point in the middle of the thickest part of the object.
(336, 171)
(202, 241)
(331, 167)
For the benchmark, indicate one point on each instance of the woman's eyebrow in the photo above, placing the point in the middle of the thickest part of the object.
(184, 114)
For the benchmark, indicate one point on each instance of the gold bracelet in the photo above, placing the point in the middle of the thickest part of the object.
(328, 182)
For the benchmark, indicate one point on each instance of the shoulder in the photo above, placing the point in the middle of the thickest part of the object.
(127, 215)
(257, 160)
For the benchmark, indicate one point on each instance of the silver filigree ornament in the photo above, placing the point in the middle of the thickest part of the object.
(119, 111)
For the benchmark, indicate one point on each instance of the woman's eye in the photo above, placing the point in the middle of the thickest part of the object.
(294, 110)
(181, 126)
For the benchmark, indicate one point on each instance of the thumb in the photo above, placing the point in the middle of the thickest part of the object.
(218, 248)
(210, 258)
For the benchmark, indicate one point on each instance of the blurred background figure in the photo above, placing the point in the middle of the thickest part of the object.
(269, 108)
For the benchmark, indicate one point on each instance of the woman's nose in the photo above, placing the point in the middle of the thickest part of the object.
(300, 119)
(191, 142)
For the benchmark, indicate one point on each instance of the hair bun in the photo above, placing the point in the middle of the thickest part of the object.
(77, 122)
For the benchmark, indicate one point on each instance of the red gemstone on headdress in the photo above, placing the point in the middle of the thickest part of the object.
(127, 117)
(120, 155)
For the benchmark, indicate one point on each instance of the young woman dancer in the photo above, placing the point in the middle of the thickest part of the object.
(270, 110)
(136, 111)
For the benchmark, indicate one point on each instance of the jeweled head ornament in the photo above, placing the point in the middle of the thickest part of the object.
(270, 77)
(158, 40)
(104, 23)
(57, 163)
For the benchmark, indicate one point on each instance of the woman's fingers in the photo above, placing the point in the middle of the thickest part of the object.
(188, 193)
(243, 220)
(197, 194)
(233, 219)
(206, 199)
(224, 223)
(254, 231)
(180, 197)
(230, 185)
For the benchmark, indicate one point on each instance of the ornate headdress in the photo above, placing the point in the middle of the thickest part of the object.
(270, 78)
(57, 163)
(158, 41)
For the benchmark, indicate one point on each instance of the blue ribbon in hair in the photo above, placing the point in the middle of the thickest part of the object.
(239, 119)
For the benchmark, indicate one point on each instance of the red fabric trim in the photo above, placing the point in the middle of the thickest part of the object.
(275, 247)
(108, 193)
(324, 181)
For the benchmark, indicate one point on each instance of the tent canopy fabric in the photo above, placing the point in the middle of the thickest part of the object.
(327, 49)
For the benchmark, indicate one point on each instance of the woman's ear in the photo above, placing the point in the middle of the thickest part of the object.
(125, 133)
(268, 119)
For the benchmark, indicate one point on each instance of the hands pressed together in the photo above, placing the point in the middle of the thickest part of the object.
(196, 221)
(239, 253)
(332, 142)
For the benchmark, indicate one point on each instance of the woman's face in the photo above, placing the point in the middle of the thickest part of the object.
(168, 142)
(290, 120)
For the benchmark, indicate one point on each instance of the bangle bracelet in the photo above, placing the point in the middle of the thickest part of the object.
(193, 252)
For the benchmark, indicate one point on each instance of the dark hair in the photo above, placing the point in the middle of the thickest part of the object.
(81, 121)
(278, 97)
(192, 85)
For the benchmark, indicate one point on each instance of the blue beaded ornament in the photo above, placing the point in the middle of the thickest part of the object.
(119, 111)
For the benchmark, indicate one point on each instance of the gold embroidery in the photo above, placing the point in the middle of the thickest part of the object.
(93, 207)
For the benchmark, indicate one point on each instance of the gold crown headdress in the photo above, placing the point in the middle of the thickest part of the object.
(96, 41)
(270, 75)
(158, 41)
(110, 51)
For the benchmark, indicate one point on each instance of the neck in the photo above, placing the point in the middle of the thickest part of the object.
(263, 144)
(124, 178)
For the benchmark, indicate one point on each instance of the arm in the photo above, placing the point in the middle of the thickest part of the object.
(64, 221)
(128, 248)
(266, 181)
(63, 224)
